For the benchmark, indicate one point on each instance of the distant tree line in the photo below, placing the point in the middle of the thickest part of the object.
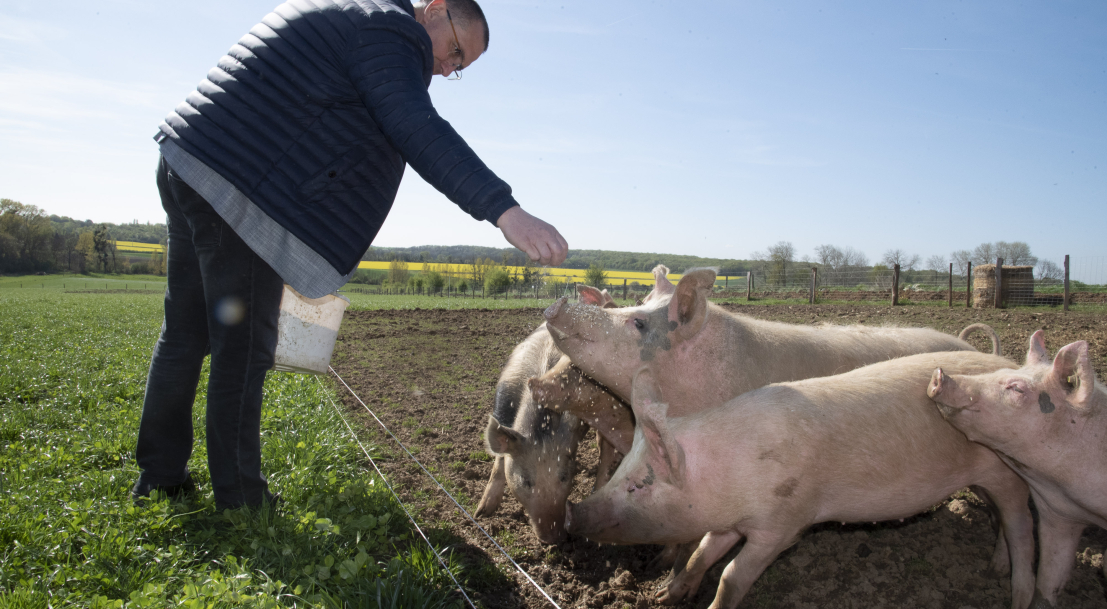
(778, 262)
(33, 242)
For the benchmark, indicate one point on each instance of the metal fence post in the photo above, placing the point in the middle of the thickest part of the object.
(895, 284)
(951, 285)
(1066, 305)
(814, 279)
(999, 283)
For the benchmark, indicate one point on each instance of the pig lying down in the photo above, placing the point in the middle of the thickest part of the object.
(1048, 421)
(863, 446)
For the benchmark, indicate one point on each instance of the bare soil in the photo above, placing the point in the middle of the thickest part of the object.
(430, 375)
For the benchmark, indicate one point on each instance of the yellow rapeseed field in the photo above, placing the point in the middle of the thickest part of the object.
(568, 275)
(456, 270)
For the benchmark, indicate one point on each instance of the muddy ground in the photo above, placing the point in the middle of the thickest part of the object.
(430, 375)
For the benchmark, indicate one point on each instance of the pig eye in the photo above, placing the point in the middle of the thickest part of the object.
(638, 323)
(1014, 387)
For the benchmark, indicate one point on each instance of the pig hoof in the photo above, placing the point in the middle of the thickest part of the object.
(665, 598)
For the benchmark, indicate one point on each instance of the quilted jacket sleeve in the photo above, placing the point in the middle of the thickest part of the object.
(387, 71)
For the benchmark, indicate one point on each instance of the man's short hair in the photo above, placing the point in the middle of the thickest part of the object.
(468, 12)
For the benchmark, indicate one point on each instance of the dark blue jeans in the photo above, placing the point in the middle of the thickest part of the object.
(224, 300)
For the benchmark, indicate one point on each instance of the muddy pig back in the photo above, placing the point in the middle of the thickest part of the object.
(534, 448)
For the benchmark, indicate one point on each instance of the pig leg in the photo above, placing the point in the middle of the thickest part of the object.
(1001, 557)
(1010, 496)
(609, 461)
(494, 490)
(1058, 538)
(713, 546)
(674, 555)
(760, 551)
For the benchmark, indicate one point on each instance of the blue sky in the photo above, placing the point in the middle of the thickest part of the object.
(714, 130)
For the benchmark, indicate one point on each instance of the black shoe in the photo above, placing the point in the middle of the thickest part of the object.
(177, 492)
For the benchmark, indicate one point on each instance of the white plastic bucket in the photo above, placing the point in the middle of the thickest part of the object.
(306, 331)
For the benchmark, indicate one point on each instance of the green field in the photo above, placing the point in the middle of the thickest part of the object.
(91, 281)
(72, 374)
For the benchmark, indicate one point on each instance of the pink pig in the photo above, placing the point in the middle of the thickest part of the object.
(1048, 421)
(861, 446)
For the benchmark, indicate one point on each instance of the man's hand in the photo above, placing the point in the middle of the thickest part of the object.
(538, 239)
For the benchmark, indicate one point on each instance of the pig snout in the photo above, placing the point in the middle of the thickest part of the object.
(935, 387)
(553, 311)
(551, 528)
(588, 519)
(947, 393)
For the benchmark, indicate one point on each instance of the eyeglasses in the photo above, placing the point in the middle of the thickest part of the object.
(456, 75)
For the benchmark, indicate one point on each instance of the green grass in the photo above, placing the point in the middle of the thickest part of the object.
(72, 374)
(91, 281)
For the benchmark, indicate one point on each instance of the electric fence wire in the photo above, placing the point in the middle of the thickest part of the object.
(443, 489)
(387, 484)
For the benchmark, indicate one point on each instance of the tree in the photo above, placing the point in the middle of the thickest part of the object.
(435, 281)
(479, 269)
(961, 260)
(103, 247)
(397, 271)
(497, 281)
(936, 263)
(29, 234)
(906, 262)
(985, 253)
(839, 259)
(828, 255)
(1015, 253)
(1049, 271)
(596, 276)
(777, 258)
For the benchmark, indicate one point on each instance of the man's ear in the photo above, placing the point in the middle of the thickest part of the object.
(502, 440)
(1072, 369)
(689, 304)
(664, 453)
(590, 295)
(1037, 353)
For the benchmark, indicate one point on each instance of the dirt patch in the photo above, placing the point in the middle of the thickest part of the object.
(430, 375)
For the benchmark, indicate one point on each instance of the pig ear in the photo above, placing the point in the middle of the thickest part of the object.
(1037, 353)
(1072, 369)
(502, 440)
(689, 304)
(662, 285)
(608, 301)
(590, 295)
(663, 451)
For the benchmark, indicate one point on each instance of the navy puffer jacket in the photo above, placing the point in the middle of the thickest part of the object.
(311, 117)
